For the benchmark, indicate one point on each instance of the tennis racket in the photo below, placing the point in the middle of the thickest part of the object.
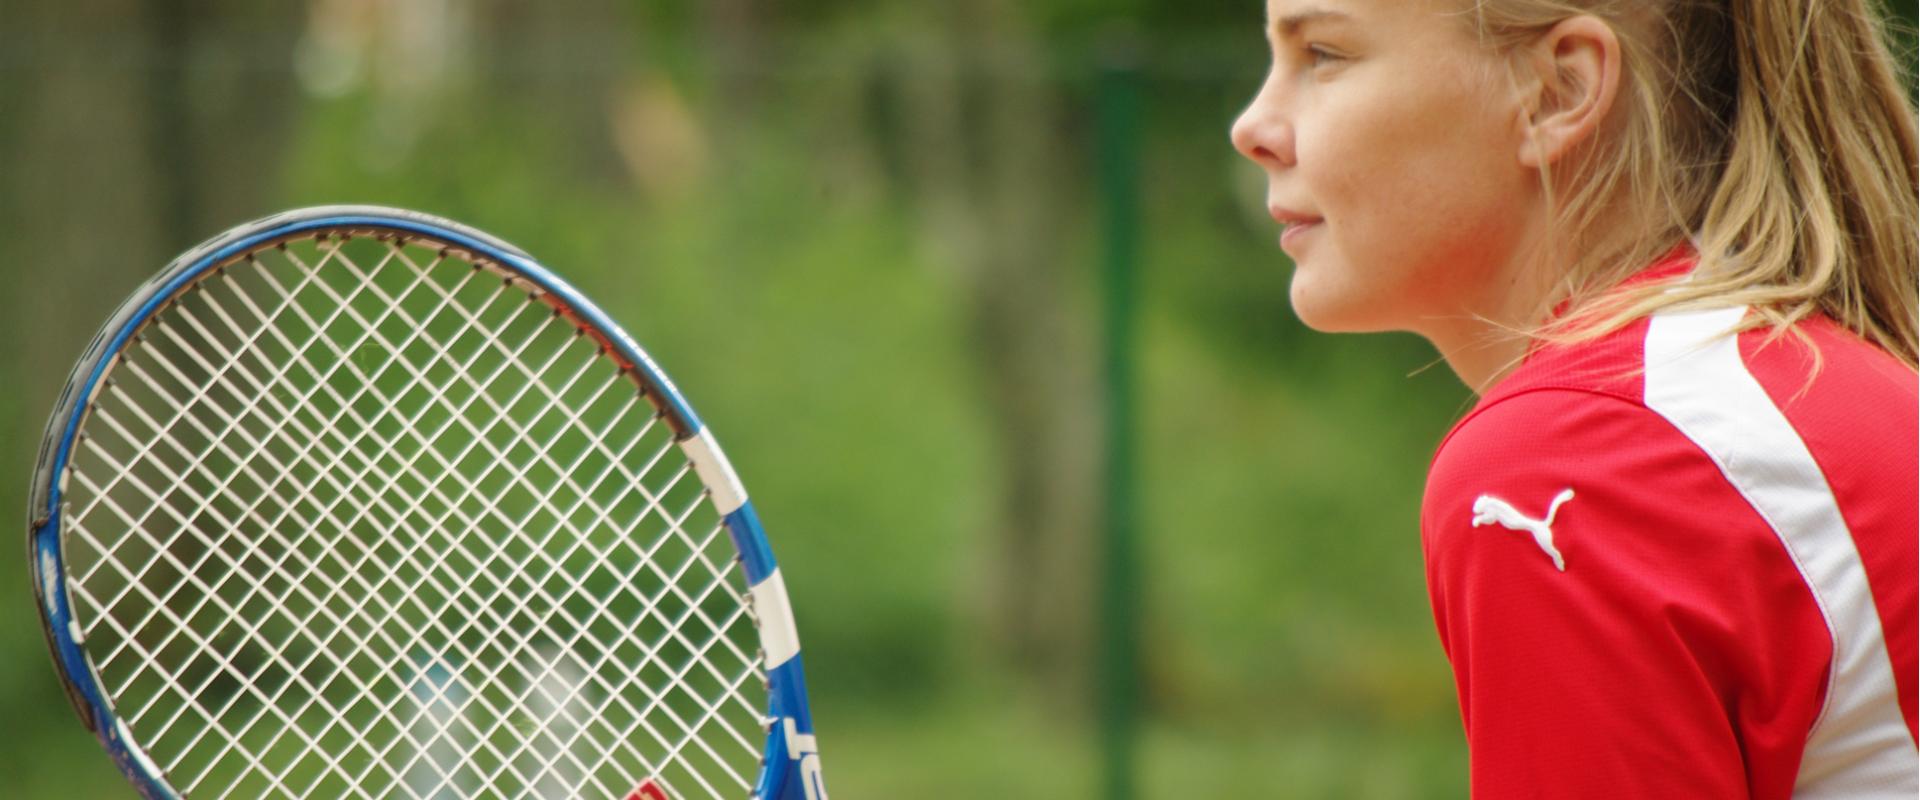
(358, 502)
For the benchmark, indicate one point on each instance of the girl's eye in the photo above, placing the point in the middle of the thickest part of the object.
(1318, 56)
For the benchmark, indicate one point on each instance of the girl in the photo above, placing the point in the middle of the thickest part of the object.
(1672, 245)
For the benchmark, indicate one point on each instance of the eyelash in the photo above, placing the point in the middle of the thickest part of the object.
(1318, 56)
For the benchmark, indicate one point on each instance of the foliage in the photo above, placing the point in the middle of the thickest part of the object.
(741, 184)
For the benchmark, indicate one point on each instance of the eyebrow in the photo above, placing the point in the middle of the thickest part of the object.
(1292, 23)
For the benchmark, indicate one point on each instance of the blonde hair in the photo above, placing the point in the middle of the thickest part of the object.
(1775, 135)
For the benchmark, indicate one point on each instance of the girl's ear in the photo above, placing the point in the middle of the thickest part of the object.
(1569, 79)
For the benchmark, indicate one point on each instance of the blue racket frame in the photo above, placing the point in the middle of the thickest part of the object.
(792, 764)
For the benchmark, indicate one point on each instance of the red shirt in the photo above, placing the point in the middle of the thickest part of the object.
(1672, 563)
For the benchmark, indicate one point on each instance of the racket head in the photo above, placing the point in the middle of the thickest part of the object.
(789, 762)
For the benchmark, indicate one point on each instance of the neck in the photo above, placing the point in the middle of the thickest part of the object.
(1487, 340)
(1480, 354)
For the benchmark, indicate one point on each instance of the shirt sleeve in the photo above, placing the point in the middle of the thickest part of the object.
(1665, 654)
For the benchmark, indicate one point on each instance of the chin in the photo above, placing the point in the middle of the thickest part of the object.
(1335, 312)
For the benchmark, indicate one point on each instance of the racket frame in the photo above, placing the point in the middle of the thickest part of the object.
(791, 763)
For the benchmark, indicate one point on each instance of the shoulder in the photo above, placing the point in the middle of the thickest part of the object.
(1589, 484)
(1673, 422)
(1604, 471)
(1571, 421)
(1856, 408)
(1692, 503)
(1604, 593)
(1602, 589)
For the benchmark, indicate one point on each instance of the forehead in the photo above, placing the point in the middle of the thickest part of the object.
(1286, 15)
(1284, 10)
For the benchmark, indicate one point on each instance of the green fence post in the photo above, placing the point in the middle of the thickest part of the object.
(1118, 655)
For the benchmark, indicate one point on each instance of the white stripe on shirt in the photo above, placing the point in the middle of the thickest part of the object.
(1859, 746)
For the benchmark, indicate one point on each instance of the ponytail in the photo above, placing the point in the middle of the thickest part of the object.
(1776, 135)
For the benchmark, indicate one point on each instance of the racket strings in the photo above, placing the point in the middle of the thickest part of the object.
(671, 582)
(413, 595)
(558, 403)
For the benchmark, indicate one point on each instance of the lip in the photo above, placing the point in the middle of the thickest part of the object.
(1297, 225)
(1288, 216)
(1295, 231)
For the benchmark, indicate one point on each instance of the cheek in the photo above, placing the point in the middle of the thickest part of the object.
(1416, 187)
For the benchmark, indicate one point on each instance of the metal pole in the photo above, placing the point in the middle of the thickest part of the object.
(1118, 656)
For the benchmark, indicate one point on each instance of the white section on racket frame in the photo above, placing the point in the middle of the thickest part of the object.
(715, 471)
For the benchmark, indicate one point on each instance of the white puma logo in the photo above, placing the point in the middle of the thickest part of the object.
(1488, 510)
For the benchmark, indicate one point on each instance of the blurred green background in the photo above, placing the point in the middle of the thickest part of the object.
(866, 239)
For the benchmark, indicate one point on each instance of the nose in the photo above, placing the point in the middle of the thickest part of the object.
(1263, 134)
